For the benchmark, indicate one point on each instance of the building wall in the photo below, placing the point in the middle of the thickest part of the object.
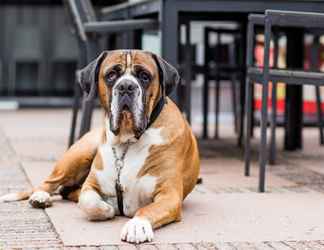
(38, 53)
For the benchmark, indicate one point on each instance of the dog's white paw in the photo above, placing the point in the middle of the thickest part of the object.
(40, 199)
(137, 230)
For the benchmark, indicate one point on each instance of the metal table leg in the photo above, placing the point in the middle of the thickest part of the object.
(169, 25)
(205, 94)
(294, 94)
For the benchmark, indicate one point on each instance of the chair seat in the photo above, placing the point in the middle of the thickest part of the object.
(297, 77)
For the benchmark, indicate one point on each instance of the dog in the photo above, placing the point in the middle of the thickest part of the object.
(144, 160)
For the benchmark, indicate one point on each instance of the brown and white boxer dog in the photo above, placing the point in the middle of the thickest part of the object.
(142, 163)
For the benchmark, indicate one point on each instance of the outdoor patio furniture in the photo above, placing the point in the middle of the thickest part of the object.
(172, 13)
(223, 61)
(314, 65)
(26, 49)
(88, 30)
(265, 74)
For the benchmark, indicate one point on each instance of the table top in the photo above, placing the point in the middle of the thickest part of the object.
(146, 7)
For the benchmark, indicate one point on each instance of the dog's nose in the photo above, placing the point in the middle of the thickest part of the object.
(126, 87)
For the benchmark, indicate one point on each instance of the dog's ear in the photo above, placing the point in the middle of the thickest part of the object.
(88, 76)
(169, 76)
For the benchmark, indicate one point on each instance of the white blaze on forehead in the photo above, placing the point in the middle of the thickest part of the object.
(128, 61)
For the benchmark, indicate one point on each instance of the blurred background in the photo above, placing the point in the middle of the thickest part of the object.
(39, 54)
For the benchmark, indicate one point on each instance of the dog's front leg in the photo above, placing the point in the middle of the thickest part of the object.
(166, 208)
(91, 201)
(71, 170)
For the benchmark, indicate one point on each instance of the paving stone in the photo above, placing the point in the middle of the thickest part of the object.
(127, 247)
(205, 246)
(147, 247)
(313, 245)
(166, 246)
(224, 246)
(20, 225)
(88, 248)
(243, 245)
(262, 246)
(25, 228)
(71, 248)
(108, 248)
(186, 246)
(298, 245)
(279, 245)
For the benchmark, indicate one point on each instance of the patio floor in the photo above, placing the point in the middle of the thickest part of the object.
(225, 212)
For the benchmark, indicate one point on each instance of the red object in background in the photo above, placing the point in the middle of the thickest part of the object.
(309, 103)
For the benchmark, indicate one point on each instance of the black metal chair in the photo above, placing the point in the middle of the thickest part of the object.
(88, 31)
(265, 74)
(222, 62)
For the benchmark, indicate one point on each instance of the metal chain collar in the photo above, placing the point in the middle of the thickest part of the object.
(119, 161)
(119, 164)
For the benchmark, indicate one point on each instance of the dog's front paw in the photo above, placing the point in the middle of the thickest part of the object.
(40, 199)
(137, 230)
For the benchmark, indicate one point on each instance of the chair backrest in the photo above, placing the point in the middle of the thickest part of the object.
(295, 19)
(223, 52)
(80, 12)
(87, 11)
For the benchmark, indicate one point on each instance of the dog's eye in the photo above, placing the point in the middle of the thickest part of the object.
(144, 77)
(111, 76)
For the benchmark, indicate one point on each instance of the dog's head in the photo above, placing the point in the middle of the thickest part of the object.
(129, 84)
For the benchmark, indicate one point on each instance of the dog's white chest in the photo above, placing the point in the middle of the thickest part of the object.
(137, 192)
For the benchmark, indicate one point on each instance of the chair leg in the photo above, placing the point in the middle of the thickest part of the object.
(234, 104)
(75, 109)
(87, 110)
(241, 113)
(272, 155)
(248, 121)
(252, 113)
(217, 104)
(264, 108)
(263, 148)
(187, 74)
(205, 101)
(205, 94)
(319, 114)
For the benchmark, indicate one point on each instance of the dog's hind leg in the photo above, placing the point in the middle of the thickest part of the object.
(71, 170)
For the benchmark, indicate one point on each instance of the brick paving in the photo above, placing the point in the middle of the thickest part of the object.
(24, 228)
(20, 226)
